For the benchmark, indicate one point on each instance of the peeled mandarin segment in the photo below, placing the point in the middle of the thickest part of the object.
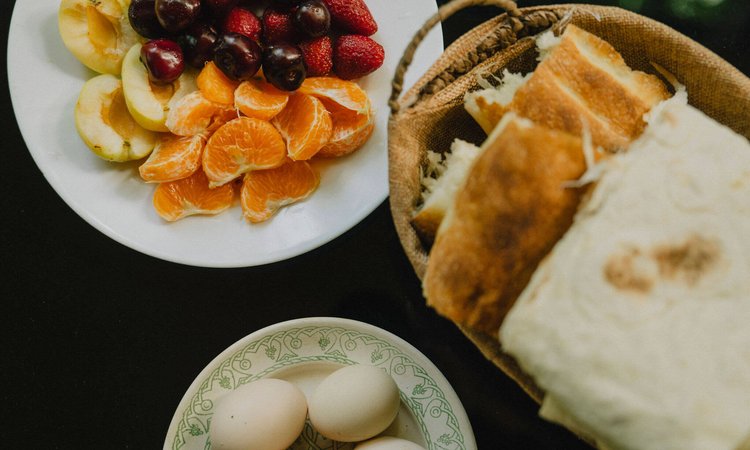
(189, 196)
(195, 114)
(259, 99)
(351, 130)
(305, 125)
(174, 157)
(222, 116)
(216, 86)
(264, 192)
(346, 93)
(242, 145)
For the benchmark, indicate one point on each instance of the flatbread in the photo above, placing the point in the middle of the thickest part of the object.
(636, 325)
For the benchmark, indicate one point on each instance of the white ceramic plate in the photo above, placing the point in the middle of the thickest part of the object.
(304, 351)
(45, 80)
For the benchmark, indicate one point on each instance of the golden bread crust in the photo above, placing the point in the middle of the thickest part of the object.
(426, 223)
(585, 84)
(489, 114)
(510, 213)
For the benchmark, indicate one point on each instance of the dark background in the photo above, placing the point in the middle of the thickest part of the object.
(99, 342)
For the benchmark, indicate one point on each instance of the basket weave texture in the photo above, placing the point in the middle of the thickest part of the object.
(430, 115)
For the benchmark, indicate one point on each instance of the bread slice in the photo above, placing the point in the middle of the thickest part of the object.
(511, 210)
(445, 174)
(581, 83)
(488, 106)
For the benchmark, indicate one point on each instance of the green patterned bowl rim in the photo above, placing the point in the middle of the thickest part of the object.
(432, 401)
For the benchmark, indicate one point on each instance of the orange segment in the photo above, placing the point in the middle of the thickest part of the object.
(216, 86)
(259, 99)
(188, 196)
(242, 145)
(346, 93)
(350, 130)
(195, 114)
(305, 125)
(174, 157)
(264, 192)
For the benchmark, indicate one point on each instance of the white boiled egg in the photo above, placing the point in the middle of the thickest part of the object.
(354, 403)
(267, 414)
(388, 443)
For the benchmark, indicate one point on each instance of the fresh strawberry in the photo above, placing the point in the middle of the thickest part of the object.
(318, 55)
(278, 26)
(355, 56)
(243, 21)
(351, 16)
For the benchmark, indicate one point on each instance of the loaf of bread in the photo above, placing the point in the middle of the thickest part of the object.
(581, 83)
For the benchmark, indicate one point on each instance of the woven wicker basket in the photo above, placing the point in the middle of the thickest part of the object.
(431, 114)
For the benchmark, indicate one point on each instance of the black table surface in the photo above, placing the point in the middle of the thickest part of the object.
(99, 342)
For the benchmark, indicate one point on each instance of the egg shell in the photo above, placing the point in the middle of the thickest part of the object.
(388, 443)
(354, 403)
(266, 414)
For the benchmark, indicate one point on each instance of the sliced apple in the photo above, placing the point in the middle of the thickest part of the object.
(149, 102)
(105, 125)
(97, 32)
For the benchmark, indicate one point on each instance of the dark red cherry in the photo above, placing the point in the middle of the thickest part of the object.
(198, 44)
(142, 16)
(313, 18)
(177, 15)
(163, 59)
(219, 8)
(238, 56)
(284, 66)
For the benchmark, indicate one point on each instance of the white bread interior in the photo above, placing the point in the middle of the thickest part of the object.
(488, 105)
(443, 177)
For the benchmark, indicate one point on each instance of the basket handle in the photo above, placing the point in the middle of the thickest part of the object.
(443, 13)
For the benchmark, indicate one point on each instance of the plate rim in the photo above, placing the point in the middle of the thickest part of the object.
(408, 349)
